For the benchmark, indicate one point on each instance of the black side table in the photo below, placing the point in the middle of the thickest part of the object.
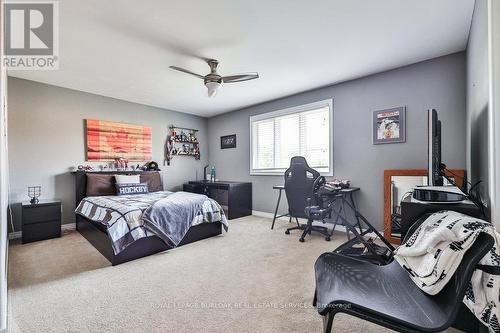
(41, 221)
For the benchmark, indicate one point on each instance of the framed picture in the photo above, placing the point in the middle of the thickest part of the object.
(107, 141)
(228, 141)
(389, 126)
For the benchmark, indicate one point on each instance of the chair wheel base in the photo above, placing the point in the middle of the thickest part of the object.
(287, 232)
(301, 240)
(327, 239)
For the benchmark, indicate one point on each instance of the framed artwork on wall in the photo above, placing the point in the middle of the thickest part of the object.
(107, 141)
(228, 141)
(389, 125)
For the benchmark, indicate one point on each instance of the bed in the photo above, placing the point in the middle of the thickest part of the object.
(145, 240)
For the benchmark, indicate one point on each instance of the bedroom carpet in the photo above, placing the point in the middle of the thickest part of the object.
(251, 279)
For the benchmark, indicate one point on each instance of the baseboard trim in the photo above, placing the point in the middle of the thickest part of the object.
(15, 234)
(265, 214)
(285, 218)
(64, 227)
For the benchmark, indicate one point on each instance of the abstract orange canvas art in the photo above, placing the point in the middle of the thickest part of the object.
(107, 141)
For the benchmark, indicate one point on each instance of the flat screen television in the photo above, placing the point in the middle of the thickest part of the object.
(435, 175)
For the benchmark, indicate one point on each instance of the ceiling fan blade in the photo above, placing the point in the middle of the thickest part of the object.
(186, 71)
(240, 77)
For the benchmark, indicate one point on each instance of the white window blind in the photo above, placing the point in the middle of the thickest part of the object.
(301, 131)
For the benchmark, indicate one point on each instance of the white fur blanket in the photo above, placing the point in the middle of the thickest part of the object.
(433, 253)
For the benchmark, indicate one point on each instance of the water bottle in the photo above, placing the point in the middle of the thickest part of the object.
(212, 174)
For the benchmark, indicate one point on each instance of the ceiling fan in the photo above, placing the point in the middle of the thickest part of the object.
(214, 81)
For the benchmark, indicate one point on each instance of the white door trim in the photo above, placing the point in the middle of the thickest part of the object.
(494, 108)
(4, 193)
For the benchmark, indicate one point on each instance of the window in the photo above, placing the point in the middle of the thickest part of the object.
(277, 136)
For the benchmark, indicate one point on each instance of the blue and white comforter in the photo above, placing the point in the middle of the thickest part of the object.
(165, 214)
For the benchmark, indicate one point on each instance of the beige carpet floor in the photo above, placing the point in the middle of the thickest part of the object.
(251, 279)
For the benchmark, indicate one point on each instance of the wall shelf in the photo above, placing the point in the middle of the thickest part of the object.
(181, 141)
(181, 154)
(191, 142)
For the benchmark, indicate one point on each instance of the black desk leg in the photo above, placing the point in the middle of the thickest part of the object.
(355, 212)
(337, 218)
(342, 199)
(276, 210)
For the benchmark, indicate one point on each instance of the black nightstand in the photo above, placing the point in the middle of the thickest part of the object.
(41, 221)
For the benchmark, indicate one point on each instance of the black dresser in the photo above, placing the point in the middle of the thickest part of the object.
(41, 221)
(234, 197)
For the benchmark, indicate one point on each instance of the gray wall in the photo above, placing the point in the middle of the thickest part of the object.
(46, 134)
(437, 83)
(46, 139)
(478, 98)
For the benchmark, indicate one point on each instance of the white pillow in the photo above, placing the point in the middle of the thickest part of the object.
(127, 179)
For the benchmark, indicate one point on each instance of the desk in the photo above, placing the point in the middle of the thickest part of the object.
(234, 197)
(347, 192)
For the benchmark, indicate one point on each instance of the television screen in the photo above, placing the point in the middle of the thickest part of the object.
(434, 149)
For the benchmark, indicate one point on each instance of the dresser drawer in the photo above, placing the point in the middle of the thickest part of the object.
(41, 214)
(40, 231)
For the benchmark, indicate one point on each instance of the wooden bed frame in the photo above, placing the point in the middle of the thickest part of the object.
(140, 248)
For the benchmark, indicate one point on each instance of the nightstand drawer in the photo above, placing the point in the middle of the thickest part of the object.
(41, 231)
(41, 213)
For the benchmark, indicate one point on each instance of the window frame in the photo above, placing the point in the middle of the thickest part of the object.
(292, 110)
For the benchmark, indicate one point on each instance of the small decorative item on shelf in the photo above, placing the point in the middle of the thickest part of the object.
(34, 193)
(153, 166)
(121, 164)
(192, 138)
(181, 141)
(85, 168)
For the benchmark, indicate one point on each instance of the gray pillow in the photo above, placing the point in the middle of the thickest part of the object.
(128, 189)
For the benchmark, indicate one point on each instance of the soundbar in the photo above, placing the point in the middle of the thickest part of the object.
(437, 194)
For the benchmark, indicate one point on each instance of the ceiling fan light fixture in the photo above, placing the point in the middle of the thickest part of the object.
(212, 87)
(214, 81)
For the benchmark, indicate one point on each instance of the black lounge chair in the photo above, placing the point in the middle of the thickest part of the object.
(386, 295)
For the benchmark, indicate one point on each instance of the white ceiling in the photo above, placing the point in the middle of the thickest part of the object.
(122, 48)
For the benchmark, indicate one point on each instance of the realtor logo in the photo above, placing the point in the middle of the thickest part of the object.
(31, 35)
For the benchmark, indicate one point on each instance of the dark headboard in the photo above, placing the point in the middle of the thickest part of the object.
(81, 181)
